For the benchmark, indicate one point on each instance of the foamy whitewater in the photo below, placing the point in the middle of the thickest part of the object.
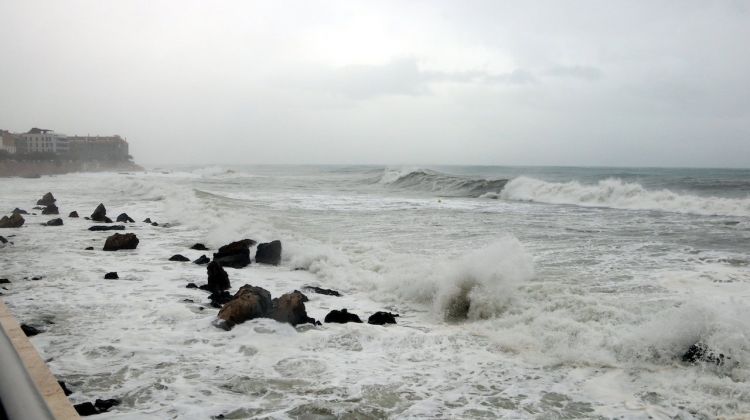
(523, 292)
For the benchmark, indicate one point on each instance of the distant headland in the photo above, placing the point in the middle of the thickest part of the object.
(45, 152)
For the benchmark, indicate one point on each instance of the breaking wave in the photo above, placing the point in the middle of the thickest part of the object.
(615, 193)
(438, 182)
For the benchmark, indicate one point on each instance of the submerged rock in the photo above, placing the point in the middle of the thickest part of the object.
(51, 209)
(124, 218)
(218, 299)
(199, 247)
(700, 352)
(30, 331)
(147, 220)
(54, 222)
(382, 318)
(290, 308)
(64, 388)
(191, 286)
(3, 241)
(269, 253)
(73, 214)
(202, 260)
(4, 281)
(89, 248)
(341, 317)
(104, 405)
(19, 211)
(218, 279)
(121, 241)
(322, 291)
(178, 257)
(86, 409)
(14, 221)
(100, 214)
(46, 200)
(111, 276)
(100, 228)
(248, 303)
(235, 254)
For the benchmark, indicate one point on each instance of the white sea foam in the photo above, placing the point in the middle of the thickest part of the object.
(618, 194)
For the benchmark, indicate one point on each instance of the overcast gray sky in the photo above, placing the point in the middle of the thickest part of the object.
(652, 83)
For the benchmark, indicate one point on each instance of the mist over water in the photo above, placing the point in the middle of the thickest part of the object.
(523, 292)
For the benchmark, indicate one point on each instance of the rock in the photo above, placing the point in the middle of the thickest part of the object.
(148, 220)
(100, 214)
(3, 240)
(100, 228)
(124, 218)
(73, 214)
(64, 388)
(30, 331)
(700, 352)
(382, 318)
(46, 200)
(191, 286)
(202, 260)
(218, 299)
(290, 308)
(51, 209)
(19, 211)
(322, 291)
(121, 241)
(111, 276)
(154, 224)
(4, 281)
(14, 221)
(54, 222)
(248, 303)
(342, 317)
(89, 248)
(235, 254)
(86, 409)
(269, 253)
(199, 247)
(104, 405)
(38, 208)
(218, 279)
(178, 257)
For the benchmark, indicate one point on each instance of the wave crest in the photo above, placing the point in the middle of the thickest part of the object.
(438, 182)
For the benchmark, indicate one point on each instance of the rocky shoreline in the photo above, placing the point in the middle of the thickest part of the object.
(35, 169)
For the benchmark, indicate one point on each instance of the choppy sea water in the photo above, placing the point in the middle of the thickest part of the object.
(523, 292)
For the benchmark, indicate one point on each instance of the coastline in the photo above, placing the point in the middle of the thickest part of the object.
(33, 169)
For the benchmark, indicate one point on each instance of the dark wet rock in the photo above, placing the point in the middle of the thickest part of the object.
(218, 299)
(124, 218)
(700, 352)
(121, 241)
(235, 254)
(54, 222)
(104, 405)
(178, 257)
(73, 214)
(342, 317)
(3, 240)
(382, 318)
(290, 308)
(89, 248)
(188, 300)
(19, 211)
(148, 220)
(218, 279)
(14, 221)
(269, 253)
(191, 286)
(732, 223)
(248, 303)
(111, 276)
(37, 278)
(154, 224)
(30, 331)
(51, 209)
(86, 409)
(64, 388)
(202, 260)
(46, 200)
(101, 228)
(199, 247)
(100, 214)
(4, 281)
(322, 291)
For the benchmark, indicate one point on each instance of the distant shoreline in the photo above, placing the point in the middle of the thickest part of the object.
(34, 169)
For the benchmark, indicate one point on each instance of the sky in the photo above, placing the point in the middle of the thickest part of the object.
(582, 83)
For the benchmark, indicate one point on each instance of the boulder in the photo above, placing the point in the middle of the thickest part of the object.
(14, 221)
(178, 257)
(30, 331)
(73, 214)
(111, 276)
(342, 317)
(100, 228)
(54, 222)
(218, 279)
(199, 247)
(4, 281)
(64, 388)
(51, 209)
(154, 224)
(19, 211)
(121, 241)
(124, 218)
(86, 409)
(89, 248)
(322, 291)
(290, 308)
(148, 220)
(100, 214)
(46, 200)
(248, 303)
(202, 260)
(235, 254)
(700, 352)
(191, 286)
(104, 405)
(218, 299)
(382, 318)
(3, 241)
(269, 253)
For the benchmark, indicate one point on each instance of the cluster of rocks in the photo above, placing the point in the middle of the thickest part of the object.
(97, 407)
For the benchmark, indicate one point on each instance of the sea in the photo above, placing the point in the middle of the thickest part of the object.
(522, 292)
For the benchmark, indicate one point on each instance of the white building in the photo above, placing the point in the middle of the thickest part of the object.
(41, 140)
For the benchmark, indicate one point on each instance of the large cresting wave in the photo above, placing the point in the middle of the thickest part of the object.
(615, 193)
(441, 183)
